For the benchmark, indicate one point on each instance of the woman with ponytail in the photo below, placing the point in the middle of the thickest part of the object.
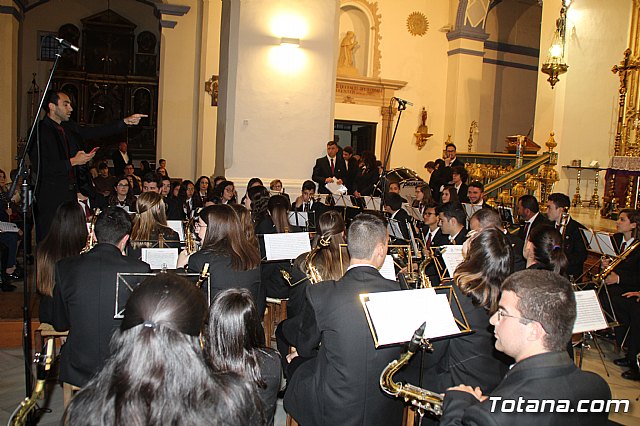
(543, 250)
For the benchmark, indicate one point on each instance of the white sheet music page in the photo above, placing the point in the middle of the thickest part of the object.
(394, 229)
(298, 218)
(286, 246)
(417, 306)
(157, 258)
(606, 243)
(8, 227)
(342, 200)
(388, 270)
(589, 312)
(452, 257)
(588, 236)
(176, 225)
(372, 203)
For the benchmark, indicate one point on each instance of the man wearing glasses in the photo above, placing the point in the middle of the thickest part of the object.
(533, 324)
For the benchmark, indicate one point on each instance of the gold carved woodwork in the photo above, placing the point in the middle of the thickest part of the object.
(417, 24)
(211, 87)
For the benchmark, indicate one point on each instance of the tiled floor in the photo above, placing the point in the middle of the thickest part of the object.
(12, 388)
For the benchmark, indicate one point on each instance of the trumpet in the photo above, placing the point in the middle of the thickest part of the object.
(602, 275)
(421, 398)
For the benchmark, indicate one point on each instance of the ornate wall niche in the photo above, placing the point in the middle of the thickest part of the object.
(363, 18)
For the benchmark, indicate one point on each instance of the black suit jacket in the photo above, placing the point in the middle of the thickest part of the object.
(223, 276)
(438, 239)
(84, 303)
(548, 376)
(460, 238)
(470, 359)
(57, 180)
(119, 163)
(350, 175)
(339, 385)
(402, 217)
(366, 181)
(322, 170)
(462, 193)
(574, 248)
(540, 220)
(629, 269)
(517, 245)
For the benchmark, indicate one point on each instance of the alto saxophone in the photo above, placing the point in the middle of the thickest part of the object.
(423, 399)
(189, 238)
(91, 238)
(313, 275)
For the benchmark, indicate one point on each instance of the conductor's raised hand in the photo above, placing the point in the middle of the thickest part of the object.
(134, 119)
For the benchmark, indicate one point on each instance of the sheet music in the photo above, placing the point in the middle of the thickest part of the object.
(176, 225)
(342, 200)
(394, 229)
(8, 227)
(372, 203)
(470, 209)
(605, 242)
(589, 312)
(286, 246)
(417, 306)
(506, 213)
(388, 270)
(125, 208)
(452, 257)
(157, 258)
(413, 211)
(334, 188)
(298, 218)
(589, 241)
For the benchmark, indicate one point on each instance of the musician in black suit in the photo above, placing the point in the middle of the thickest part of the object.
(624, 286)
(452, 221)
(573, 242)
(351, 168)
(336, 370)
(59, 160)
(393, 207)
(306, 202)
(433, 236)
(450, 158)
(489, 218)
(534, 321)
(84, 297)
(367, 177)
(121, 157)
(439, 178)
(475, 194)
(328, 168)
(458, 178)
(529, 211)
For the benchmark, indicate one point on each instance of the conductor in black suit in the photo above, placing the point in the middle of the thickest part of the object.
(59, 160)
(84, 297)
(329, 168)
(336, 370)
(533, 323)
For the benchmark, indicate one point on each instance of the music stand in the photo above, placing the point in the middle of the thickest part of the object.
(590, 318)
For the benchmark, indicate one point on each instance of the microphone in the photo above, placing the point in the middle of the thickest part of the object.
(403, 101)
(67, 45)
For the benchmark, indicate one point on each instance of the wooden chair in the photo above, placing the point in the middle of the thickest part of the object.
(43, 332)
(68, 390)
(275, 313)
(291, 421)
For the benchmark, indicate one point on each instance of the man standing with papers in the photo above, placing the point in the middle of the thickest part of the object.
(333, 377)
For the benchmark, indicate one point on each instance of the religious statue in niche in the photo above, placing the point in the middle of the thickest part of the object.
(422, 135)
(346, 64)
(211, 87)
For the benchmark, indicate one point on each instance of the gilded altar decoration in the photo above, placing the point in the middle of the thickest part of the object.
(417, 24)
(472, 128)
(422, 135)
(211, 87)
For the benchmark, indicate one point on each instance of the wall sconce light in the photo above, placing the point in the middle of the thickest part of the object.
(290, 42)
(554, 66)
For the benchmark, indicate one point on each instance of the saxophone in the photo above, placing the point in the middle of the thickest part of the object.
(189, 238)
(423, 399)
(313, 275)
(91, 238)
(44, 361)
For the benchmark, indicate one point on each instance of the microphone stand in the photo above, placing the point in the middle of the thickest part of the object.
(26, 205)
(382, 182)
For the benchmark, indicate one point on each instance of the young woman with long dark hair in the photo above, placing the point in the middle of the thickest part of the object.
(157, 373)
(543, 250)
(234, 343)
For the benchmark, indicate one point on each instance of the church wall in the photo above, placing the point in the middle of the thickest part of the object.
(421, 61)
(509, 75)
(8, 76)
(582, 109)
(280, 109)
(49, 17)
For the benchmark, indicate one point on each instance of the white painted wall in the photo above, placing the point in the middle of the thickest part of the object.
(582, 109)
(282, 114)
